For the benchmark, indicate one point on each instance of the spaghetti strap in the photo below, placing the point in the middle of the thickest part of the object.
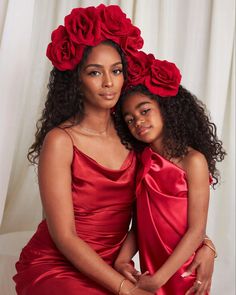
(68, 133)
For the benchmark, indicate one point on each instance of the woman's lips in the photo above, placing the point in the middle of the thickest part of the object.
(109, 95)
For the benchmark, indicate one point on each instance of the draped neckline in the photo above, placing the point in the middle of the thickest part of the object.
(126, 163)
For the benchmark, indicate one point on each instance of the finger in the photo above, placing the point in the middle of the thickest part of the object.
(194, 289)
(200, 287)
(145, 273)
(135, 272)
(137, 275)
(204, 288)
(190, 291)
(130, 277)
(192, 267)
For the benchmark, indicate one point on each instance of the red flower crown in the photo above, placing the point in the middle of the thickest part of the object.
(89, 27)
(92, 25)
(160, 77)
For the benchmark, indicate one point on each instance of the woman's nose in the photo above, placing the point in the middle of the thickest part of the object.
(107, 81)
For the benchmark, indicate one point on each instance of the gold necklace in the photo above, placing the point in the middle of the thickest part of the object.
(94, 132)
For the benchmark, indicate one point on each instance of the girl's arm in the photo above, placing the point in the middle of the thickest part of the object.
(197, 173)
(123, 263)
(55, 189)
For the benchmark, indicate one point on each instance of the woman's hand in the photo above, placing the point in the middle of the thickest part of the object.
(127, 270)
(203, 263)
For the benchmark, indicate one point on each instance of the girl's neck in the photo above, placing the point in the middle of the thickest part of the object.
(158, 148)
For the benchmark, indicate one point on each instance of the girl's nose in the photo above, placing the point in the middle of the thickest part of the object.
(139, 122)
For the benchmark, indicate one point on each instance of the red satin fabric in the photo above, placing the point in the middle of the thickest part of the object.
(162, 217)
(103, 200)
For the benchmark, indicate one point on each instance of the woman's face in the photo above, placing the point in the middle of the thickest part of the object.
(143, 118)
(102, 77)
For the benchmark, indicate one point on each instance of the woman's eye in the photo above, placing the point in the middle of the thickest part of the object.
(117, 71)
(94, 73)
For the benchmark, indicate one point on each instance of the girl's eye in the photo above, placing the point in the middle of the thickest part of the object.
(117, 71)
(129, 121)
(144, 112)
(94, 73)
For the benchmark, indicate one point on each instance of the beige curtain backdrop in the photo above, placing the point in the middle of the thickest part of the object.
(198, 35)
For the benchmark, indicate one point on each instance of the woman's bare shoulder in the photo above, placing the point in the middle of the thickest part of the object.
(57, 142)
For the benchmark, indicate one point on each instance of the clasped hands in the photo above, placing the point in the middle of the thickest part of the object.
(147, 282)
(143, 281)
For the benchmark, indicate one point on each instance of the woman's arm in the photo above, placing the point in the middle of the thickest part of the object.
(55, 189)
(197, 173)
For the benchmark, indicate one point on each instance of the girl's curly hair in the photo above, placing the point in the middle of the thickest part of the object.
(186, 124)
(64, 101)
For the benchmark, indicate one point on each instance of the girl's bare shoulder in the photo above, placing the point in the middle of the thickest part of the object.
(194, 160)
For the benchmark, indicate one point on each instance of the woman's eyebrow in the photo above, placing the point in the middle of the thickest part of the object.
(101, 66)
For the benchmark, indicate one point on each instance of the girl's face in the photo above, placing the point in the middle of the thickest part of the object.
(143, 118)
(102, 78)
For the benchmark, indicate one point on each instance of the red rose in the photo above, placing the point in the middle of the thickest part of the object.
(133, 40)
(139, 64)
(117, 27)
(164, 78)
(63, 53)
(83, 26)
(113, 20)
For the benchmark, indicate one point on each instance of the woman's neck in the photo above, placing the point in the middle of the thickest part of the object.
(97, 124)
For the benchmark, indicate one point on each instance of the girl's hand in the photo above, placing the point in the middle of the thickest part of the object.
(147, 283)
(129, 288)
(127, 270)
(204, 264)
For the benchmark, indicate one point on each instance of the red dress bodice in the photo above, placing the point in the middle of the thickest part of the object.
(103, 202)
(162, 204)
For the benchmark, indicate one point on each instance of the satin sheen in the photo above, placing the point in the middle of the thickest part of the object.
(162, 217)
(103, 200)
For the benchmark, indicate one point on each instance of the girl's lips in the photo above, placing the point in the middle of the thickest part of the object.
(143, 130)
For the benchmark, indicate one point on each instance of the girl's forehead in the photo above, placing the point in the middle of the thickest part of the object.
(137, 97)
(134, 101)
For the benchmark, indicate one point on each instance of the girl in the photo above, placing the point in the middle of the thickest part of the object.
(179, 149)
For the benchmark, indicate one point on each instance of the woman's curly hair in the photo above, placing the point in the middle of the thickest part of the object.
(64, 101)
(186, 124)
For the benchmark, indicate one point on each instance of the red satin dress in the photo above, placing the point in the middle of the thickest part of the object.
(103, 202)
(162, 203)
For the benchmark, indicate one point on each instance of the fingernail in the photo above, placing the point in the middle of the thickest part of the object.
(186, 274)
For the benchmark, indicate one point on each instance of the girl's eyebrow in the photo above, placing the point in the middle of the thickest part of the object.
(137, 107)
(101, 66)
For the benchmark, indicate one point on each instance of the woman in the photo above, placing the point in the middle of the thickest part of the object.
(86, 191)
